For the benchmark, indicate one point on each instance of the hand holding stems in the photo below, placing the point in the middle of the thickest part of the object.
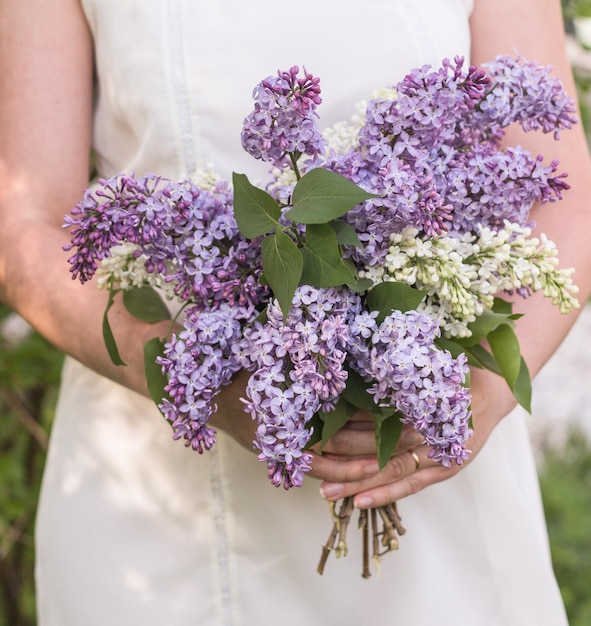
(491, 401)
(543, 327)
(403, 475)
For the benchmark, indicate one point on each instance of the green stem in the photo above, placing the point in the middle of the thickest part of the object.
(293, 157)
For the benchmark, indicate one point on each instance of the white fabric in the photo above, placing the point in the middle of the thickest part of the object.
(135, 529)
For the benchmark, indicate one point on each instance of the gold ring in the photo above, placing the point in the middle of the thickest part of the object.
(416, 459)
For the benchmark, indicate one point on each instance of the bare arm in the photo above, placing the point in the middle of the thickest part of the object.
(45, 126)
(497, 28)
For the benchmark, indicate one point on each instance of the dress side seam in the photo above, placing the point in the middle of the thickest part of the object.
(180, 86)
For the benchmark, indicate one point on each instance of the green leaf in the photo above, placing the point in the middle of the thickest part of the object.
(323, 266)
(483, 358)
(523, 389)
(282, 267)
(321, 196)
(257, 212)
(505, 348)
(108, 336)
(356, 392)
(361, 286)
(483, 325)
(388, 429)
(146, 304)
(453, 347)
(154, 377)
(346, 234)
(334, 420)
(502, 306)
(391, 296)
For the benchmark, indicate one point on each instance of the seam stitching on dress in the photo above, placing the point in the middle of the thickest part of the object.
(180, 87)
(181, 93)
(221, 532)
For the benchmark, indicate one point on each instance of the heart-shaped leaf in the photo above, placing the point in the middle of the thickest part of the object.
(322, 195)
(323, 266)
(282, 267)
(388, 428)
(346, 234)
(505, 348)
(257, 212)
(146, 304)
(391, 296)
(155, 379)
(108, 336)
(356, 392)
(334, 420)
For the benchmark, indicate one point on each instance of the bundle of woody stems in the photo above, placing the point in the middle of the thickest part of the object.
(367, 274)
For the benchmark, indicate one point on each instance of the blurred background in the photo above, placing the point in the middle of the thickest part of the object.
(560, 426)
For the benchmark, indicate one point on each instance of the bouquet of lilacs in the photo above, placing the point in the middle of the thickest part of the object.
(367, 274)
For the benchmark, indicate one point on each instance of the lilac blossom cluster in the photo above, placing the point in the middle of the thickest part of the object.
(300, 370)
(408, 372)
(198, 361)
(186, 234)
(433, 155)
(284, 119)
(536, 98)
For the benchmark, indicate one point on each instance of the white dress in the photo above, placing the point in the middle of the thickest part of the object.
(133, 528)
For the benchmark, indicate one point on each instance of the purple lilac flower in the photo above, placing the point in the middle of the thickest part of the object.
(188, 235)
(300, 370)
(198, 361)
(284, 120)
(409, 373)
(528, 94)
(433, 153)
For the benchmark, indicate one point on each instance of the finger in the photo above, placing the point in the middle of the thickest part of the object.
(363, 416)
(427, 472)
(334, 469)
(409, 439)
(352, 441)
(393, 492)
(398, 467)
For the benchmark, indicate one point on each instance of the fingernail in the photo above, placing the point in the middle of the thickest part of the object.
(409, 439)
(363, 502)
(372, 468)
(331, 490)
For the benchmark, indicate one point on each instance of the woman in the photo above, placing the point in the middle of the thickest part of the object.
(132, 527)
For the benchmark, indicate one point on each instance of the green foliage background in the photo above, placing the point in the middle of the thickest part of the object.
(29, 375)
(565, 479)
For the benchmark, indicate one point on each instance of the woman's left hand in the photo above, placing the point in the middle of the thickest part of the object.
(410, 469)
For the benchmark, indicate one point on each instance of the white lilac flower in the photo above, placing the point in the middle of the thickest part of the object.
(207, 179)
(461, 275)
(124, 269)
